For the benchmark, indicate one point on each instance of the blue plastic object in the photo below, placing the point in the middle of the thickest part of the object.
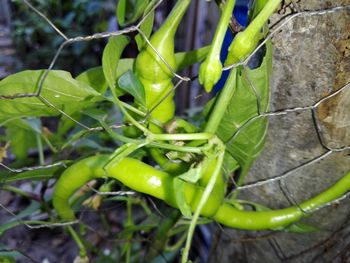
(240, 12)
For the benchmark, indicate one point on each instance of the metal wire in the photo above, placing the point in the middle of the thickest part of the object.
(68, 41)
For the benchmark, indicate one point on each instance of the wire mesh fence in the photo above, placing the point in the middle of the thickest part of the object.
(329, 148)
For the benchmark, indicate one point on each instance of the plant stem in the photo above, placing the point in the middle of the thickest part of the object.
(129, 117)
(211, 69)
(118, 136)
(78, 241)
(258, 22)
(203, 200)
(220, 32)
(133, 109)
(177, 147)
(221, 104)
(40, 148)
(177, 245)
(180, 137)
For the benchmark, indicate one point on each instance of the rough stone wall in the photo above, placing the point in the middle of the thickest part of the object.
(311, 60)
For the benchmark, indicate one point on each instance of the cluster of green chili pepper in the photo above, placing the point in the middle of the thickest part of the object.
(154, 67)
(145, 179)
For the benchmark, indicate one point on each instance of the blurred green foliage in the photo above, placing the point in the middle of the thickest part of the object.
(36, 42)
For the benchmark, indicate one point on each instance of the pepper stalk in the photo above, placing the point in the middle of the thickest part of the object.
(211, 69)
(245, 42)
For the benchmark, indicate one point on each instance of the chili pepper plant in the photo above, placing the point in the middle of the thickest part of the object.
(115, 130)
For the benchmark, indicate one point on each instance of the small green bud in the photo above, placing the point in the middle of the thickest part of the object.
(242, 45)
(210, 73)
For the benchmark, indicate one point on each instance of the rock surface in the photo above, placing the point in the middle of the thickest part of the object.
(311, 60)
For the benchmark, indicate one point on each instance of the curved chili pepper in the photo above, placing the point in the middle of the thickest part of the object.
(146, 179)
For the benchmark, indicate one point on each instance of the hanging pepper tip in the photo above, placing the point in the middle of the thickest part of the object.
(210, 73)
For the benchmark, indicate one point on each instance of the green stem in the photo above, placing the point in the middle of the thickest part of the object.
(144, 206)
(245, 42)
(140, 113)
(215, 48)
(178, 148)
(47, 141)
(180, 136)
(78, 241)
(177, 124)
(129, 117)
(257, 7)
(133, 109)
(222, 103)
(177, 245)
(40, 148)
(203, 200)
(211, 69)
(117, 136)
(255, 26)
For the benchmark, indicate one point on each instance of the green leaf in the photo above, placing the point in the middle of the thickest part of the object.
(92, 144)
(257, 7)
(248, 143)
(147, 26)
(133, 86)
(110, 59)
(94, 78)
(59, 88)
(196, 172)
(128, 11)
(40, 174)
(20, 142)
(22, 136)
(229, 165)
(184, 207)
(192, 175)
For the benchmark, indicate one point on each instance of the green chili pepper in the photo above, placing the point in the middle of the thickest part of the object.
(211, 69)
(134, 174)
(153, 73)
(146, 179)
(156, 78)
(245, 42)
